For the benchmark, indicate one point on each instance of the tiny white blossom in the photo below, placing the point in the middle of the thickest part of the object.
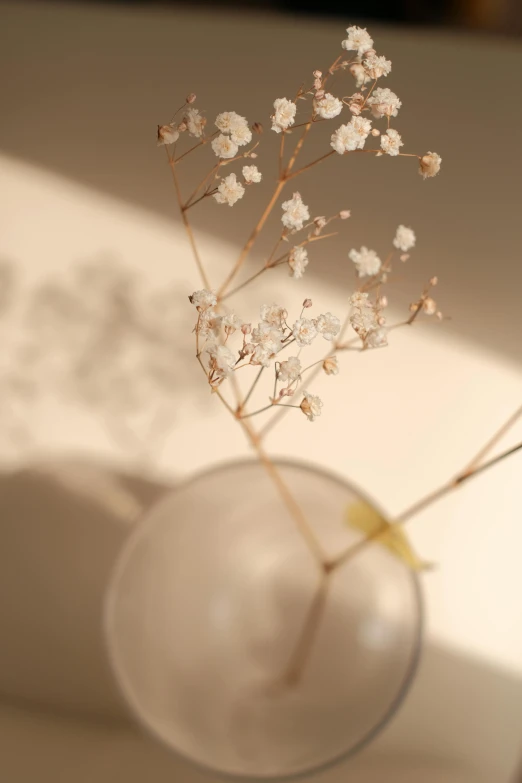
(290, 370)
(223, 146)
(328, 106)
(363, 316)
(222, 360)
(304, 331)
(209, 323)
(391, 142)
(167, 134)
(203, 299)
(351, 136)
(195, 122)
(377, 66)
(429, 306)
(229, 121)
(328, 325)
(267, 340)
(359, 40)
(311, 405)
(429, 164)
(376, 338)
(404, 238)
(229, 190)
(297, 261)
(366, 261)
(384, 103)
(284, 114)
(294, 212)
(241, 135)
(331, 365)
(273, 314)
(263, 353)
(251, 174)
(361, 77)
(231, 322)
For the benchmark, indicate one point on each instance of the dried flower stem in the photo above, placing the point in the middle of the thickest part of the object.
(301, 651)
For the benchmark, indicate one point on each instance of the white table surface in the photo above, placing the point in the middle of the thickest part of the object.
(82, 180)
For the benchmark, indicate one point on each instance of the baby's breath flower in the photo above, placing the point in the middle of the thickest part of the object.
(331, 365)
(328, 325)
(267, 340)
(363, 316)
(297, 261)
(328, 106)
(273, 314)
(361, 78)
(429, 164)
(391, 142)
(311, 405)
(290, 370)
(366, 261)
(377, 66)
(384, 103)
(231, 322)
(351, 136)
(209, 323)
(246, 328)
(229, 190)
(251, 174)
(223, 146)
(222, 360)
(167, 134)
(304, 332)
(229, 121)
(429, 306)
(195, 122)
(241, 135)
(376, 338)
(344, 214)
(294, 212)
(203, 299)
(307, 303)
(404, 238)
(359, 40)
(284, 114)
(319, 223)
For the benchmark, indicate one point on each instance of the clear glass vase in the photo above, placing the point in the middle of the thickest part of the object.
(229, 645)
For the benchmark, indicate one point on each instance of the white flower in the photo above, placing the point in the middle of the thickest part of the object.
(209, 323)
(297, 261)
(391, 142)
(222, 360)
(377, 338)
(294, 212)
(377, 66)
(331, 365)
(195, 122)
(263, 353)
(429, 164)
(366, 261)
(251, 174)
(429, 306)
(361, 77)
(359, 40)
(311, 405)
(290, 370)
(273, 314)
(304, 331)
(241, 135)
(404, 238)
(328, 325)
(363, 316)
(267, 339)
(203, 299)
(229, 121)
(284, 114)
(167, 134)
(351, 136)
(229, 190)
(384, 103)
(328, 106)
(224, 147)
(231, 322)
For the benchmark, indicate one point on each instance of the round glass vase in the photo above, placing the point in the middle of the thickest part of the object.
(231, 645)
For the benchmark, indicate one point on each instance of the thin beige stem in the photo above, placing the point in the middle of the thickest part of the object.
(302, 650)
(492, 442)
(309, 165)
(297, 150)
(188, 227)
(202, 184)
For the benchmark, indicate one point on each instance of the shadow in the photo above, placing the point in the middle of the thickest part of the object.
(99, 78)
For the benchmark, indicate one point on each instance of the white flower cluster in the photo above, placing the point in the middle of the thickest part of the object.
(384, 103)
(284, 114)
(366, 261)
(328, 106)
(391, 142)
(294, 213)
(229, 190)
(297, 261)
(404, 238)
(366, 321)
(351, 136)
(235, 133)
(359, 40)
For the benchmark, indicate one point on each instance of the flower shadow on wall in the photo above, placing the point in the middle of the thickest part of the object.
(99, 337)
